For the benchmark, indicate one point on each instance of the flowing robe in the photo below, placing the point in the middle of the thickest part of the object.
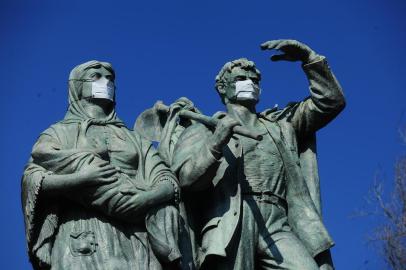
(81, 229)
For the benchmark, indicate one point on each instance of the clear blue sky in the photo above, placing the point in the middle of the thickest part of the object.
(168, 49)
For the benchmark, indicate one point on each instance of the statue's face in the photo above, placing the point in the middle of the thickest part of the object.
(97, 82)
(242, 86)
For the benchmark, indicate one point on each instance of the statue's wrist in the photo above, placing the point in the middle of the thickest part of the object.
(312, 57)
(78, 179)
(150, 198)
(164, 192)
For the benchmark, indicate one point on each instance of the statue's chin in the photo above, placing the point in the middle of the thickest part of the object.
(106, 104)
(246, 101)
(102, 102)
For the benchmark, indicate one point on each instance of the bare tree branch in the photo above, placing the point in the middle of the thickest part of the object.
(392, 233)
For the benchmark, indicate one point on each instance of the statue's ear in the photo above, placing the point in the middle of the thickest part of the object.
(221, 88)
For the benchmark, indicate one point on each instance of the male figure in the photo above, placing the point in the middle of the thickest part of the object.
(255, 204)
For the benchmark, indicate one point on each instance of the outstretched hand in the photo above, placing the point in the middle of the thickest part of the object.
(292, 50)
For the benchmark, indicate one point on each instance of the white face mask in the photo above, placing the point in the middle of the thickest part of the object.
(246, 90)
(103, 88)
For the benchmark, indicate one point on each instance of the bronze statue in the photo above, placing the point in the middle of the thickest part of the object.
(255, 204)
(95, 194)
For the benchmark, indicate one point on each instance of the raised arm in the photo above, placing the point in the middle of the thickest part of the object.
(326, 98)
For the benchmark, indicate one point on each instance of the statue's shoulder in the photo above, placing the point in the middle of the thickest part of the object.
(60, 129)
(279, 114)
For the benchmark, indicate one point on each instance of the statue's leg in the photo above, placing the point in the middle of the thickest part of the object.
(283, 250)
(162, 225)
(241, 250)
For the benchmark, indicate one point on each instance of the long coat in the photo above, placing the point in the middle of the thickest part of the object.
(212, 189)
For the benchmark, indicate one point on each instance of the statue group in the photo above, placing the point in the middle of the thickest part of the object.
(238, 190)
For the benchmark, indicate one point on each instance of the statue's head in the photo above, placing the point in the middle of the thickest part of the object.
(238, 82)
(92, 81)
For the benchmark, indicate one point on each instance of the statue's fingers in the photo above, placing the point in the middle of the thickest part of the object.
(111, 179)
(128, 191)
(183, 101)
(90, 160)
(104, 164)
(269, 45)
(288, 44)
(124, 205)
(283, 44)
(129, 207)
(109, 173)
(108, 168)
(119, 202)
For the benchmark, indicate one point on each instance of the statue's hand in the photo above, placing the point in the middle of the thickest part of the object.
(223, 132)
(293, 50)
(97, 174)
(133, 203)
(183, 103)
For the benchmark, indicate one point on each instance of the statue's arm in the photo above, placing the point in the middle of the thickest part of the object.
(75, 174)
(65, 184)
(199, 168)
(326, 98)
(325, 102)
(159, 186)
(198, 154)
(164, 186)
(81, 187)
(69, 169)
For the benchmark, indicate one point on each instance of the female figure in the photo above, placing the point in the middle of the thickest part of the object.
(95, 194)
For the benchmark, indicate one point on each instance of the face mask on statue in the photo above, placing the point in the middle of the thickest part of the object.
(103, 88)
(246, 90)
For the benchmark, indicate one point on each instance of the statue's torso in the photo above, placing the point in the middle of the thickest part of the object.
(263, 166)
(88, 239)
(120, 151)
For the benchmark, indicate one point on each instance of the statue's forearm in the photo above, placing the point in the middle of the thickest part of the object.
(162, 193)
(199, 169)
(54, 184)
(325, 91)
(326, 99)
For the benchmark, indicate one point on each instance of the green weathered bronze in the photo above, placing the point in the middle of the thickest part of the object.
(95, 194)
(253, 204)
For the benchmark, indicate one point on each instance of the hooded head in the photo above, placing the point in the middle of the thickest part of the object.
(90, 82)
(86, 76)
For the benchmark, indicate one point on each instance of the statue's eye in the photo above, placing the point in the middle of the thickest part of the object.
(95, 76)
(240, 78)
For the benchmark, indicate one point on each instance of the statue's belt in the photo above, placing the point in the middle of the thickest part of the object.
(267, 197)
